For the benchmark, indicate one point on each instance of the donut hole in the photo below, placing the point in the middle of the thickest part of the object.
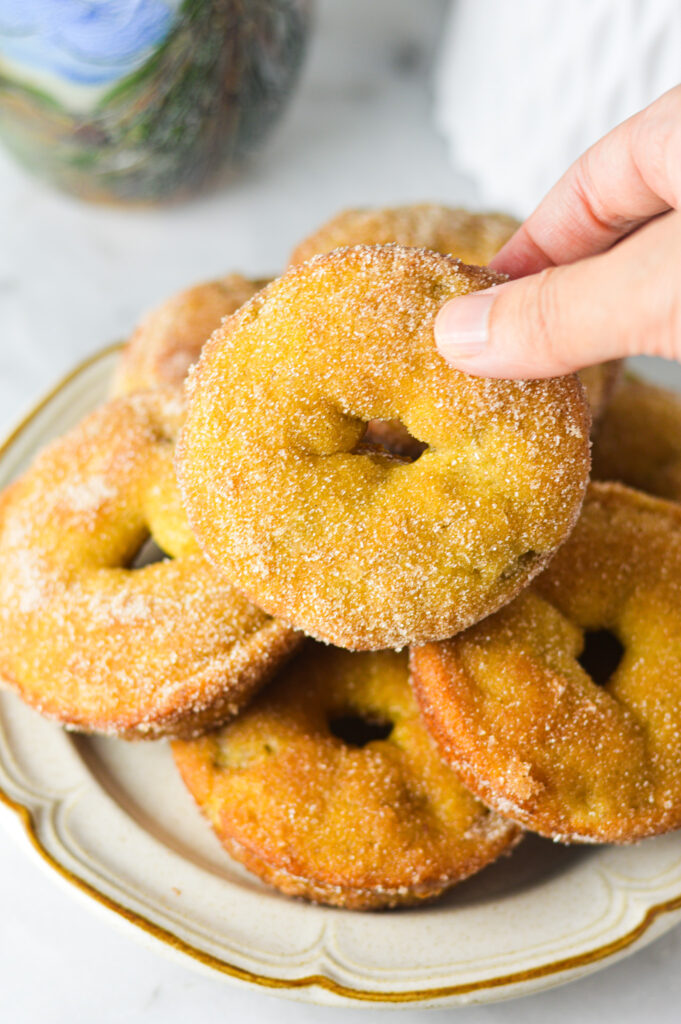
(601, 654)
(391, 437)
(356, 730)
(147, 554)
(521, 564)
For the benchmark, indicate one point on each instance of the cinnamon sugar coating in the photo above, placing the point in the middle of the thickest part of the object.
(530, 731)
(167, 649)
(639, 439)
(348, 544)
(472, 237)
(170, 338)
(379, 825)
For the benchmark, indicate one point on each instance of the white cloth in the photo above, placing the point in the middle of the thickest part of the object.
(523, 88)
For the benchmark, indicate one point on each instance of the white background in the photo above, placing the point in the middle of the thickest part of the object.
(73, 277)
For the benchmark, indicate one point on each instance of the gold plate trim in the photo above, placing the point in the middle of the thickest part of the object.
(310, 980)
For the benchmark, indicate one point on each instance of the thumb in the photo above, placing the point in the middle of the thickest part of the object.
(622, 302)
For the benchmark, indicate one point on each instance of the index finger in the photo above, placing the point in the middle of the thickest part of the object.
(631, 175)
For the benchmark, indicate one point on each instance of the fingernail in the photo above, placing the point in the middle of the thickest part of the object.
(462, 325)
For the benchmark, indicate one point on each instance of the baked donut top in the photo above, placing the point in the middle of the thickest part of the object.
(330, 786)
(167, 648)
(348, 544)
(472, 237)
(563, 710)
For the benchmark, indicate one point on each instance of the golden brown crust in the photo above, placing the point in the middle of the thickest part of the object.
(472, 237)
(529, 730)
(381, 825)
(170, 338)
(639, 439)
(165, 650)
(357, 548)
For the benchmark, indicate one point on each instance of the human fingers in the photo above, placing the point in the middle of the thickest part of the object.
(622, 302)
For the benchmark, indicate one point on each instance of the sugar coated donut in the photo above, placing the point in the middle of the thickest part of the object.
(353, 546)
(639, 439)
(329, 787)
(167, 649)
(170, 338)
(473, 237)
(563, 710)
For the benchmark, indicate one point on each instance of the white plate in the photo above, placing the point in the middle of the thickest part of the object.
(114, 820)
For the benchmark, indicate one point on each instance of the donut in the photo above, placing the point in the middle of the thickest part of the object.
(167, 649)
(639, 439)
(473, 237)
(169, 339)
(350, 545)
(563, 710)
(329, 787)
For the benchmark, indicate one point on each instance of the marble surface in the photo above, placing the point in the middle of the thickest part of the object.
(74, 277)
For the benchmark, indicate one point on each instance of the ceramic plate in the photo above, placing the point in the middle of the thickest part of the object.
(114, 820)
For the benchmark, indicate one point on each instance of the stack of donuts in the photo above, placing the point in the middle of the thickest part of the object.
(375, 603)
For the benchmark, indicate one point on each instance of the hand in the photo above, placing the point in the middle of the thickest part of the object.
(598, 264)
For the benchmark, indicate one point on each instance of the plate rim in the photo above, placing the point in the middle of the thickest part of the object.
(205, 959)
